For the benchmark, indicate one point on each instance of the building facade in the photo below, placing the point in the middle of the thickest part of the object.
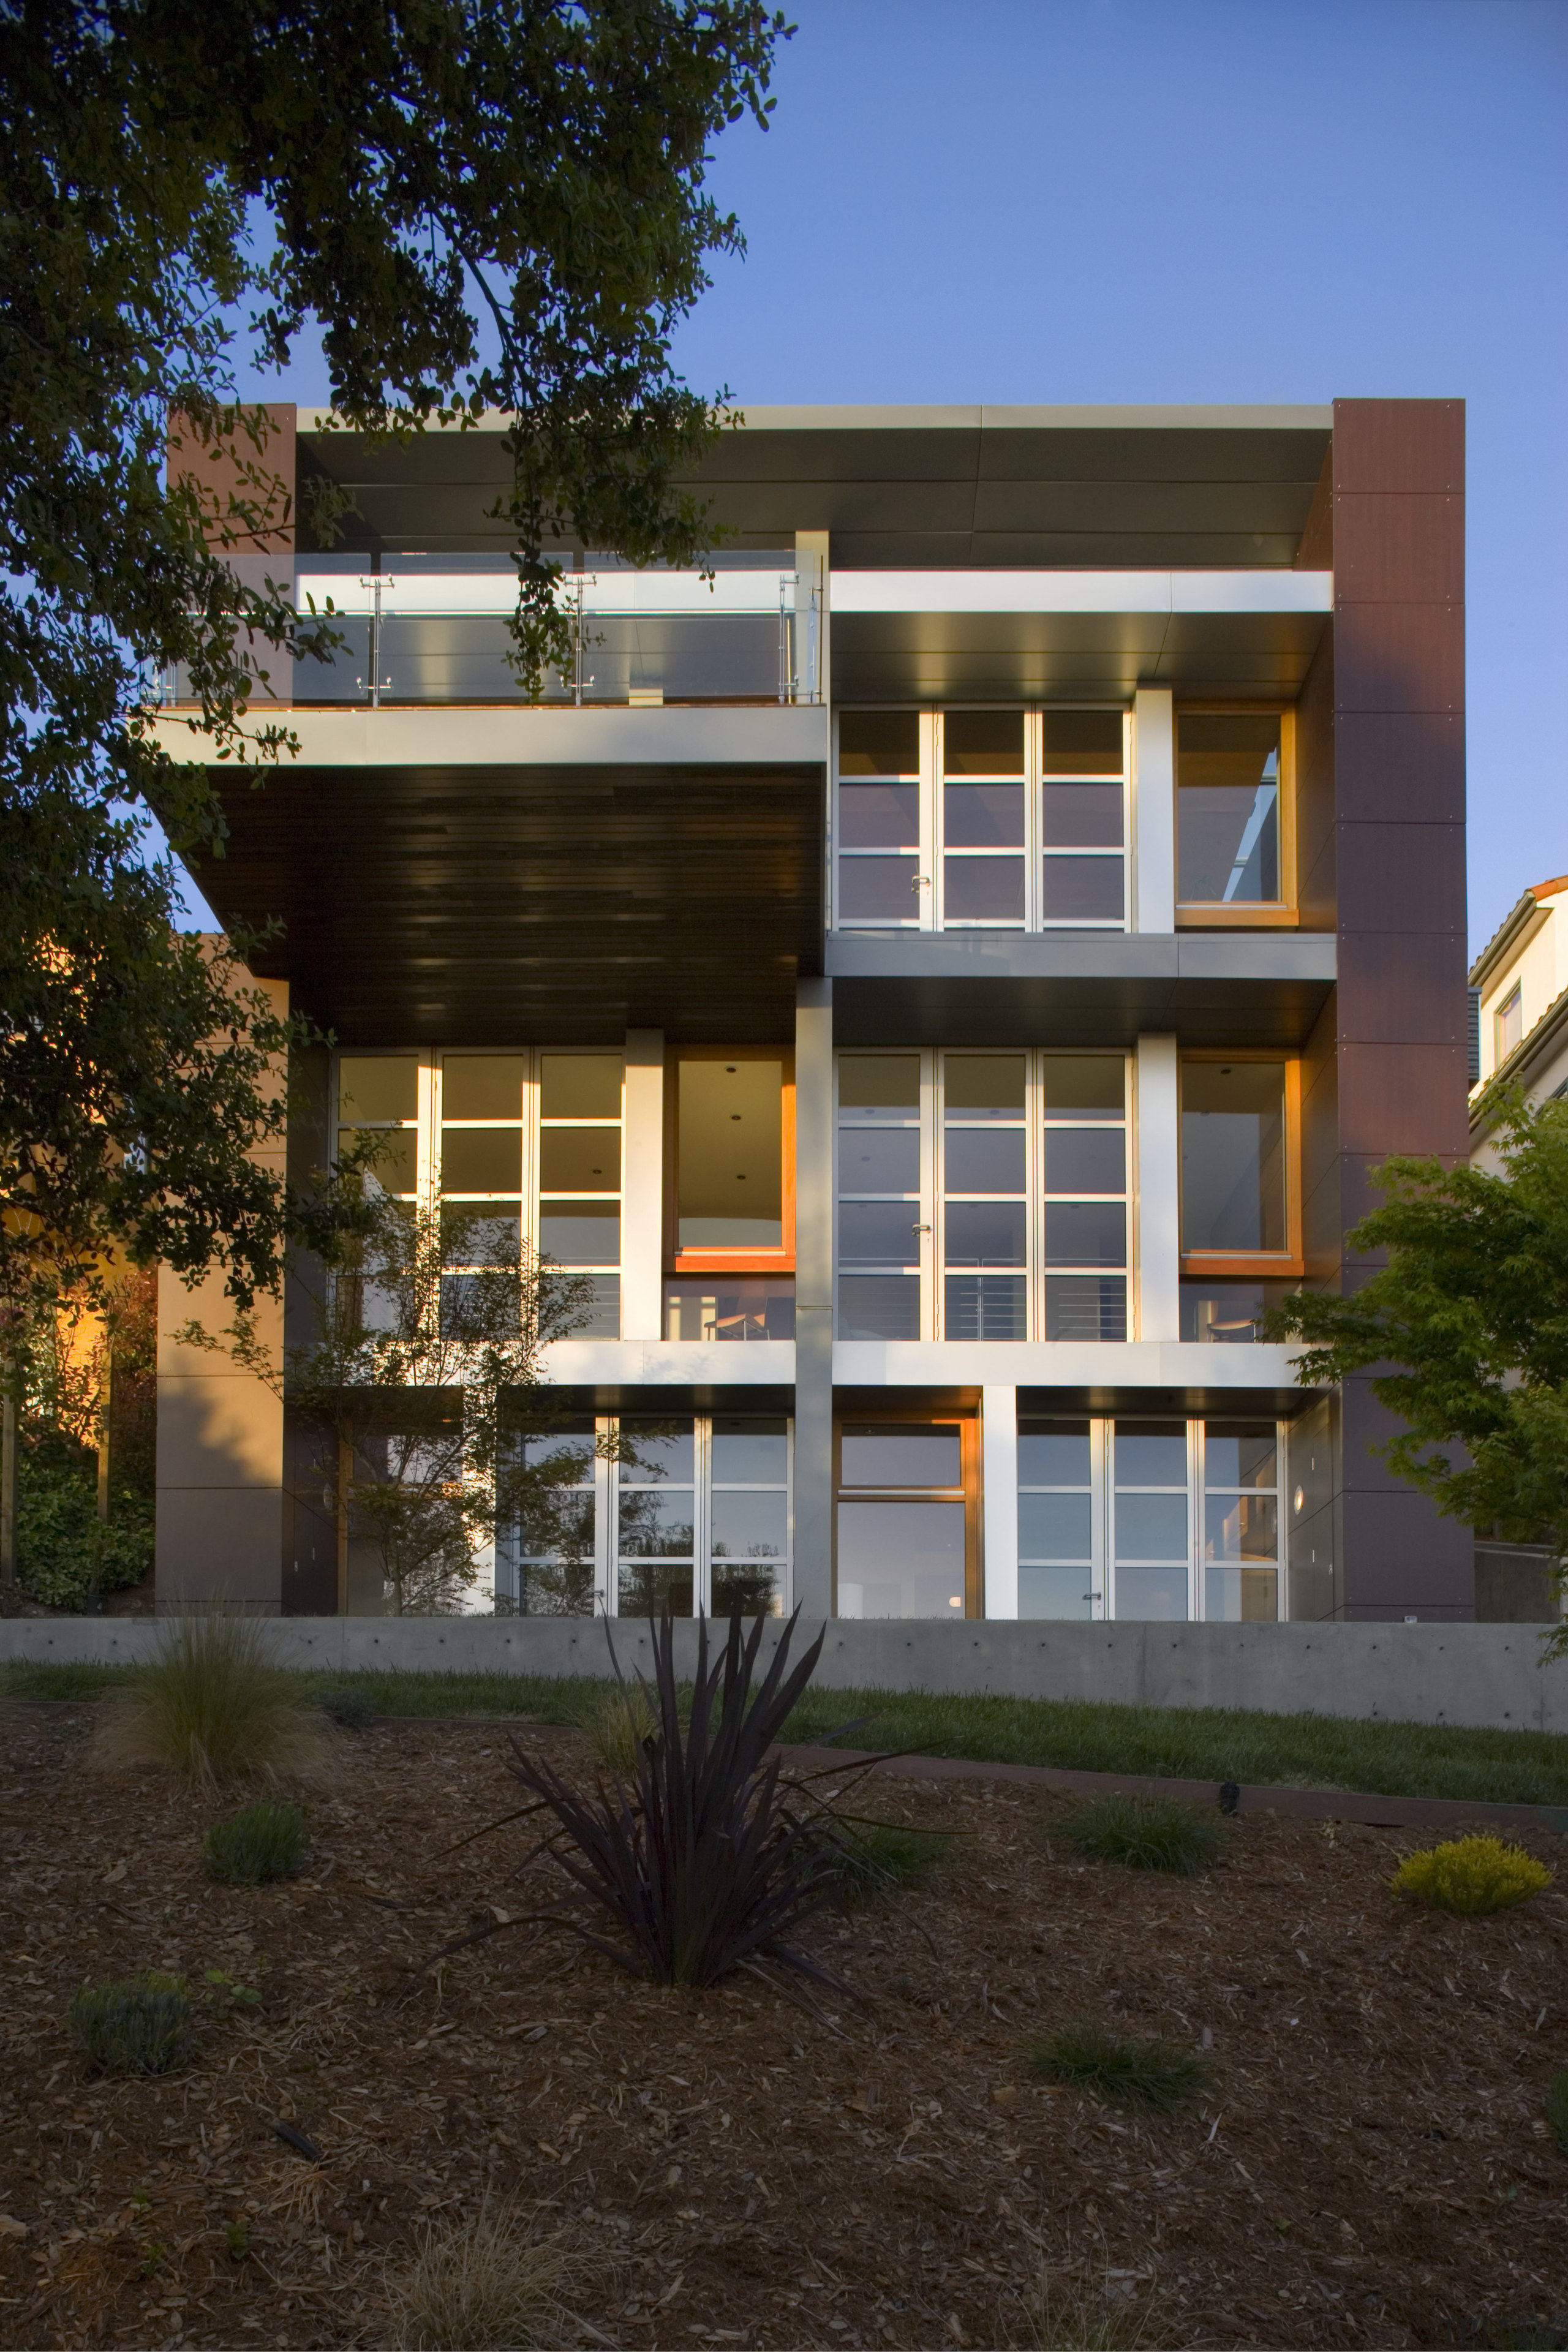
(938, 980)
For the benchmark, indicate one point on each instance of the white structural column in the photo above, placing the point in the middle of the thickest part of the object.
(1154, 810)
(813, 1297)
(1159, 1198)
(999, 1462)
(642, 1188)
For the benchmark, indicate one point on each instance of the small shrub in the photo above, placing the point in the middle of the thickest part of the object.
(1471, 1876)
(489, 2278)
(349, 1709)
(1066, 2310)
(267, 1842)
(874, 1859)
(1556, 2109)
(1145, 1834)
(140, 2026)
(212, 1702)
(1132, 2071)
(617, 1721)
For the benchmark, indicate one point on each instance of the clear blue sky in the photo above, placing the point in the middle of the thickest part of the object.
(1194, 200)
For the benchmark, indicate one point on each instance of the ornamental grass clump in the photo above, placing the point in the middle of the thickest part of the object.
(1145, 1834)
(617, 1721)
(212, 1704)
(257, 1847)
(1132, 2071)
(874, 1861)
(141, 2025)
(1471, 1876)
(499, 2276)
(703, 1858)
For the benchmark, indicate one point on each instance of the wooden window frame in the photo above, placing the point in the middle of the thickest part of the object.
(728, 1261)
(1281, 914)
(1268, 1266)
(971, 1456)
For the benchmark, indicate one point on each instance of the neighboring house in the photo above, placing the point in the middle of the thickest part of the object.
(1519, 1033)
(1519, 1009)
(940, 980)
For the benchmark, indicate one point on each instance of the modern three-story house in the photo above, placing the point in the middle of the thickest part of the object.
(939, 978)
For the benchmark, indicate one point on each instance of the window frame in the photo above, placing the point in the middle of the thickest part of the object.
(1269, 1265)
(930, 1215)
(607, 1503)
(1512, 1003)
(432, 1061)
(1283, 913)
(1102, 1506)
(928, 913)
(892, 1410)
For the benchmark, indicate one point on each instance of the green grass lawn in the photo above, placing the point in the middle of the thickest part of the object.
(1307, 1752)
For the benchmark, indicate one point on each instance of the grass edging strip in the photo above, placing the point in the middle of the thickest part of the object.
(1304, 1804)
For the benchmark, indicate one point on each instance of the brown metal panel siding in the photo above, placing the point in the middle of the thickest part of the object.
(1396, 1096)
(1402, 658)
(1402, 550)
(1401, 767)
(1403, 877)
(1399, 445)
(1400, 1001)
(220, 474)
(1400, 988)
(1316, 550)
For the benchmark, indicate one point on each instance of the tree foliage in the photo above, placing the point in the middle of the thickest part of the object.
(486, 204)
(1470, 1320)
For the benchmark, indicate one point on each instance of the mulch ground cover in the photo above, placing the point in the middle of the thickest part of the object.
(1371, 2167)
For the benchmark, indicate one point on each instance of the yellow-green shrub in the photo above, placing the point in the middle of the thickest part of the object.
(1471, 1876)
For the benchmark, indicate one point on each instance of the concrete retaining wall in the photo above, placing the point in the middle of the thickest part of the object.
(1480, 1675)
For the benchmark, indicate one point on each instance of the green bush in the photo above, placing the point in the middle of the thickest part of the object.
(265, 1843)
(1472, 1875)
(1145, 1834)
(64, 1551)
(349, 1709)
(880, 1859)
(140, 2026)
(1134, 2070)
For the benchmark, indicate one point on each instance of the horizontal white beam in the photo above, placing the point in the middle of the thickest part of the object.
(1164, 592)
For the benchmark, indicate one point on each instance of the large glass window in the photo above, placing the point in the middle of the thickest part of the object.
(881, 1221)
(729, 1160)
(378, 1096)
(1018, 1161)
(1082, 819)
(879, 837)
(1084, 1182)
(985, 1192)
(983, 818)
(1150, 1520)
(1228, 808)
(728, 1308)
(1018, 817)
(748, 1540)
(580, 1177)
(1059, 1572)
(904, 1523)
(1241, 1521)
(656, 1518)
(545, 1560)
(1229, 1313)
(1233, 1156)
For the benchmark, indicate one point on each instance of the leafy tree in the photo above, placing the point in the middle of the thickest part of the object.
(424, 1402)
(487, 204)
(1471, 1316)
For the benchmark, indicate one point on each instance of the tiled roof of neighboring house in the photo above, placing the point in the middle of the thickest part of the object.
(1513, 923)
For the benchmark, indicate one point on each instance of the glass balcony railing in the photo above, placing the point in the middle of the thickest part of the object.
(433, 629)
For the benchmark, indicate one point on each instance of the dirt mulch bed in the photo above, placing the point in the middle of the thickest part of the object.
(1372, 2168)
